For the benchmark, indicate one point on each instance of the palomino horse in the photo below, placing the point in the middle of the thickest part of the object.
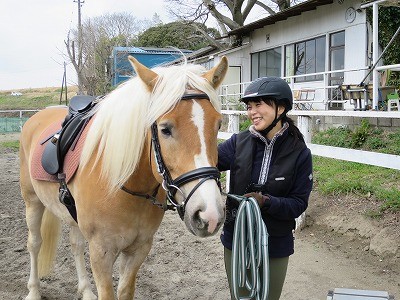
(158, 129)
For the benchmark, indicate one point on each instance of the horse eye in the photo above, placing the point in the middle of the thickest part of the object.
(166, 131)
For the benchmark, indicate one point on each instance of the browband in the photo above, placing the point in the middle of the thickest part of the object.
(195, 96)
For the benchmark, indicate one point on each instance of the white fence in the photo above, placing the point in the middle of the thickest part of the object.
(304, 124)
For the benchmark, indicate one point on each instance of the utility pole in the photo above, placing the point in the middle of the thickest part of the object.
(80, 67)
(64, 85)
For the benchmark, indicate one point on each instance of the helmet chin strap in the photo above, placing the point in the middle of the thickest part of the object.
(265, 131)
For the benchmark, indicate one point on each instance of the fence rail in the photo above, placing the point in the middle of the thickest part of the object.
(304, 124)
(13, 120)
(14, 124)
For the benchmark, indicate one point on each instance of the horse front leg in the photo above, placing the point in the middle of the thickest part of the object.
(130, 262)
(78, 248)
(102, 258)
(34, 214)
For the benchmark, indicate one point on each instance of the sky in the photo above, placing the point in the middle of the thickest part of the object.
(32, 35)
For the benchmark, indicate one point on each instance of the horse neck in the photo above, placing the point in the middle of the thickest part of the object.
(143, 179)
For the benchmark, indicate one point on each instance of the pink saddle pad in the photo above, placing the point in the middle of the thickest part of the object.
(71, 161)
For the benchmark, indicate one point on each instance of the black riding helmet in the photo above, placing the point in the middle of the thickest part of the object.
(273, 88)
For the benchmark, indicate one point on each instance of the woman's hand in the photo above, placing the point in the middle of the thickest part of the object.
(261, 199)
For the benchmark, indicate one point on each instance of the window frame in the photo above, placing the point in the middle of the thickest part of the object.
(292, 58)
(255, 62)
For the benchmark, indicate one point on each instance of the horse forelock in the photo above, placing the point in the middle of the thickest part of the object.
(123, 118)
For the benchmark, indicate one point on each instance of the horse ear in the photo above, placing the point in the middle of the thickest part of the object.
(148, 76)
(217, 73)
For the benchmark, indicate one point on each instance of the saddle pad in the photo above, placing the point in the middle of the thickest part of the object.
(72, 158)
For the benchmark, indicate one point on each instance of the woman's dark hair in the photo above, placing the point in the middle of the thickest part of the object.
(293, 129)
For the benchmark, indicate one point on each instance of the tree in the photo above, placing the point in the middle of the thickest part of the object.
(177, 34)
(99, 36)
(389, 23)
(229, 14)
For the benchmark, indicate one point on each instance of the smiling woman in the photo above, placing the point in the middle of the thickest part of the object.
(271, 163)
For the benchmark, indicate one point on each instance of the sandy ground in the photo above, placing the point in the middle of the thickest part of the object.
(338, 248)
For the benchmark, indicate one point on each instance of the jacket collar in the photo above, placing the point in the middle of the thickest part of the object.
(257, 134)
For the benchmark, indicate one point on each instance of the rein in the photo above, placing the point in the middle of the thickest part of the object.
(170, 185)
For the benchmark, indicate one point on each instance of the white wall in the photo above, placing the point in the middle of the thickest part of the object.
(324, 20)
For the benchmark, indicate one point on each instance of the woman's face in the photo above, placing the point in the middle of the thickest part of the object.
(261, 114)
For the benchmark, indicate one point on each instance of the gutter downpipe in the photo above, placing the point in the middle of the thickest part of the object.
(375, 56)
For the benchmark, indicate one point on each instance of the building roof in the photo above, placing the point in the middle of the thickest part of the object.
(381, 2)
(280, 16)
(150, 50)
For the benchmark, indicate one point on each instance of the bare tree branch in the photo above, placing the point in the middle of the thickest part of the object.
(229, 14)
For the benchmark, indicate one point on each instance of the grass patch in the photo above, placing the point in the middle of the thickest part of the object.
(9, 145)
(34, 98)
(336, 177)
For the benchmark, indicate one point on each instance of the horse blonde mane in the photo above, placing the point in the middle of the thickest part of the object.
(122, 119)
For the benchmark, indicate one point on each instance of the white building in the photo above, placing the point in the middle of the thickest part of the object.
(318, 45)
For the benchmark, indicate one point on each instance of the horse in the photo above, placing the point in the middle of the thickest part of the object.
(151, 144)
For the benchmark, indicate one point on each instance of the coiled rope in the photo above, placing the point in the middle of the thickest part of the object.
(250, 262)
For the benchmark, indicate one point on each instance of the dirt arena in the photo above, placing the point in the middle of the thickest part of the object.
(338, 248)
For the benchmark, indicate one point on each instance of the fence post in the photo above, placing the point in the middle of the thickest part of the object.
(233, 123)
(305, 126)
(233, 127)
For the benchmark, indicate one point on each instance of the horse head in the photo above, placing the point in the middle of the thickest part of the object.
(184, 140)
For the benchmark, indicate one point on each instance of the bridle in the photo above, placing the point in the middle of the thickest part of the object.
(172, 186)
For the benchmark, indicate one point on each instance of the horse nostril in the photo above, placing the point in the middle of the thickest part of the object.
(199, 221)
(219, 224)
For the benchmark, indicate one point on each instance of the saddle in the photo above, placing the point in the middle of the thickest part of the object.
(58, 144)
(65, 139)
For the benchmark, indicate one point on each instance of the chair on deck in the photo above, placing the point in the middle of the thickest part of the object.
(393, 101)
(303, 99)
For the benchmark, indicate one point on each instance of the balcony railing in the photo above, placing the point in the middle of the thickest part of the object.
(325, 95)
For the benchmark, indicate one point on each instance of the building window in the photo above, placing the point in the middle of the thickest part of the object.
(305, 57)
(337, 50)
(266, 63)
(336, 56)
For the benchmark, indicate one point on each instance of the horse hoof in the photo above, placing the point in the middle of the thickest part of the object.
(33, 295)
(88, 295)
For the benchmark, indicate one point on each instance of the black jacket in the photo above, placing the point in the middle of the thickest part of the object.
(284, 168)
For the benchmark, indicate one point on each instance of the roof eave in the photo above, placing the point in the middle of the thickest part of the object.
(280, 16)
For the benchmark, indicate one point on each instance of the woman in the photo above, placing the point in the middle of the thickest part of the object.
(270, 162)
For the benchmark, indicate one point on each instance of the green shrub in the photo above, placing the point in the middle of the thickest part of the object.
(360, 134)
(337, 137)
(363, 137)
(244, 125)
